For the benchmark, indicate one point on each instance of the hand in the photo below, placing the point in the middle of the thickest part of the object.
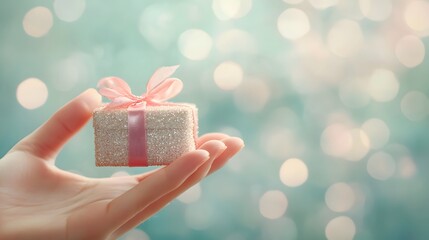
(40, 201)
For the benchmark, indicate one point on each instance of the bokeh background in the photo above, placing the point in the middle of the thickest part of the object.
(330, 97)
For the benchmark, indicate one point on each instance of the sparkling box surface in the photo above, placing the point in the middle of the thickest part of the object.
(170, 132)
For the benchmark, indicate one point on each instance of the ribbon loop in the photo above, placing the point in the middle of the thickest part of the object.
(112, 87)
(169, 88)
(160, 88)
(160, 75)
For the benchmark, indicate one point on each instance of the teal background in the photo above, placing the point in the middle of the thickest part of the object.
(291, 92)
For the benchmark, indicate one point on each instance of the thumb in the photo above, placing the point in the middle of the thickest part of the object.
(46, 141)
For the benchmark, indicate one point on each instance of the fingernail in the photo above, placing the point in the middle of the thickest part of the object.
(220, 150)
(237, 141)
(205, 154)
(91, 98)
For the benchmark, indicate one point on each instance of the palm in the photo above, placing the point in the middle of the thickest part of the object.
(40, 201)
(38, 194)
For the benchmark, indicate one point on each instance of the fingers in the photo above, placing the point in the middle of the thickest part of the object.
(140, 177)
(47, 140)
(124, 207)
(234, 145)
(210, 136)
(215, 148)
(202, 140)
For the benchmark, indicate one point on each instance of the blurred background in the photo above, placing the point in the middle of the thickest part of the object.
(330, 96)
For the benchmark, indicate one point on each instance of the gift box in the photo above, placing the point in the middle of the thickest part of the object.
(143, 130)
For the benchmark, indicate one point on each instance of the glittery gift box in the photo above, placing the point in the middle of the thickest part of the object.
(170, 132)
(143, 130)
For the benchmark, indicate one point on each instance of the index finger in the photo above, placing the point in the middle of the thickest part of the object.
(47, 140)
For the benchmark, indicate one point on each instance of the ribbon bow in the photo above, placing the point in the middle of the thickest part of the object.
(159, 89)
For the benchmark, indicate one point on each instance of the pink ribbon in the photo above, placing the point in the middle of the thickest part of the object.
(159, 89)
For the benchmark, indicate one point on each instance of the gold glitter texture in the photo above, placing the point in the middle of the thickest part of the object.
(169, 134)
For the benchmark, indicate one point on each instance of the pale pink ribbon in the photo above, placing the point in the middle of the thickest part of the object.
(159, 89)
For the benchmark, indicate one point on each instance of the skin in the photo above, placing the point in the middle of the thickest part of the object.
(40, 201)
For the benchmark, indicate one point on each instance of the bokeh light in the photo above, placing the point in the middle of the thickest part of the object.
(195, 44)
(416, 16)
(32, 93)
(69, 11)
(37, 22)
(340, 141)
(293, 24)
(293, 172)
(230, 9)
(377, 131)
(410, 51)
(360, 145)
(323, 4)
(415, 106)
(293, 1)
(336, 140)
(407, 168)
(340, 228)
(135, 234)
(228, 75)
(383, 85)
(191, 195)
(381, 166)
(236, 41)
(376, 10)
(273, 204)
(345, 38)
(252, 95)
(340, 197)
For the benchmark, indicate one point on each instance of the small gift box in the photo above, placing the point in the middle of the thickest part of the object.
(143, 130)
